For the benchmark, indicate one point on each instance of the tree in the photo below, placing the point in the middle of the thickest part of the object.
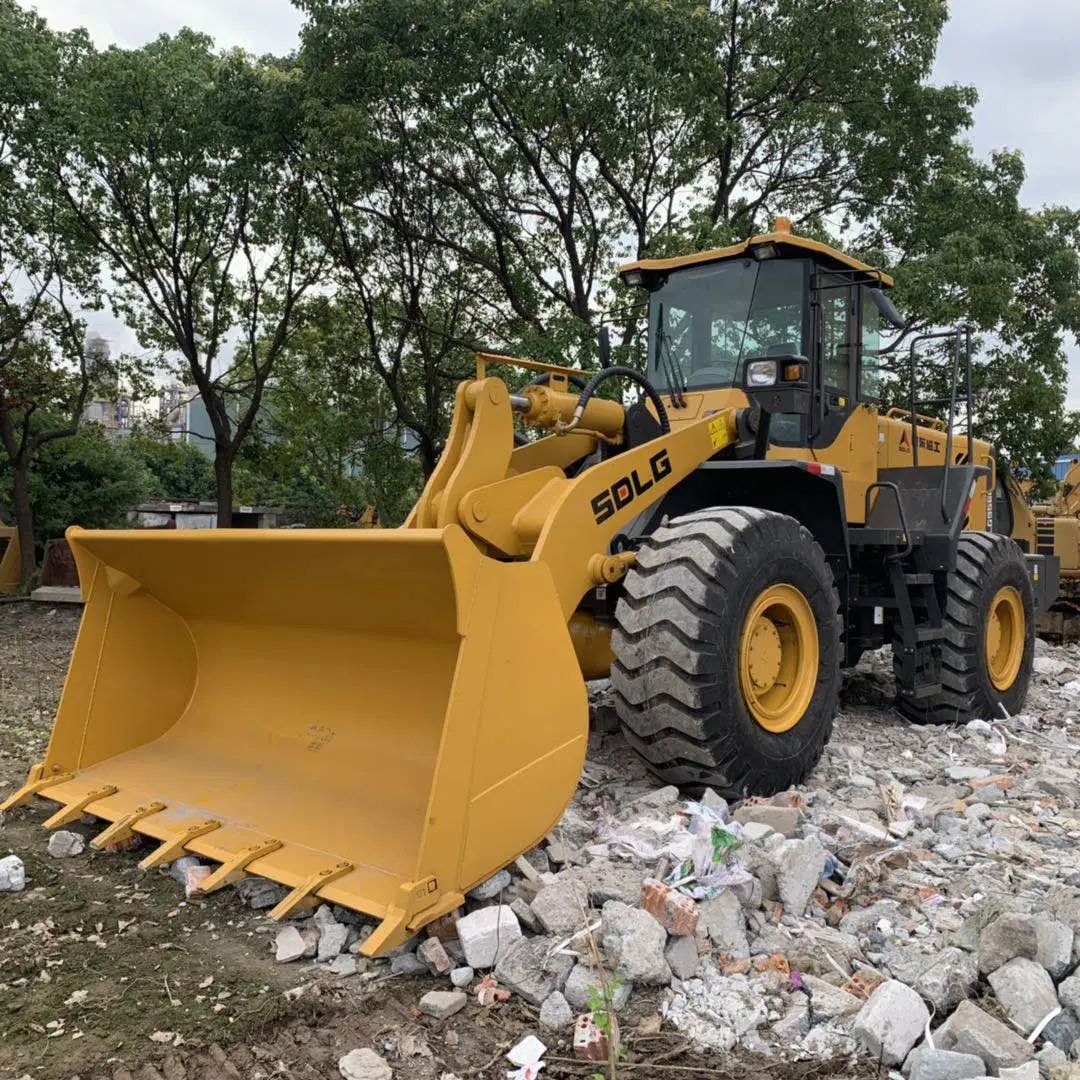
(180, 470)
(45, 271)
(185, 181)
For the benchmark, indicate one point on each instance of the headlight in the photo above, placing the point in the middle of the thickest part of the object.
(761, 373)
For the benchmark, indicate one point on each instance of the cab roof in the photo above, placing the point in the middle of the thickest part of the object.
(782, 237)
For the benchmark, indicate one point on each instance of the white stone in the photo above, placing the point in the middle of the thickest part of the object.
(332, 940)
(343, 965)
(64, 844)
(462, 976)
(12, 874)
(364, 1064)
(891, 1022)
(443, 1003)
(289, 945)
(799, 864)
(634, 943)
(488, 934)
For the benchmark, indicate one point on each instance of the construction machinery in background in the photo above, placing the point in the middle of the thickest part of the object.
(10, 560)
(1058, 534)
(383, 718)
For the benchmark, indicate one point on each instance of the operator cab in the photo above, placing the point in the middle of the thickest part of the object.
(713, 316)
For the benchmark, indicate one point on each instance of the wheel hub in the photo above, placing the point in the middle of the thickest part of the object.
(765, 653)
(1004, 639)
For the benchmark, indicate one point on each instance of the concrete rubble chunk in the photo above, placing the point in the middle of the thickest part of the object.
(722, 921)
(562, 908)
(828, 1001)
(323, 917)
(407, 964)
(487, 932)
(333, 937)
(343, 965)
(12, 874)
(488, 890)
(530, 972)
(682, 957)
(364, 1064)
(1007, 937)
(1028, 1071)
(799, 864)
(441, 1004)
(1053, 946)
(1069, 993)
(607, 880)
(781, 819)
(524, 912)
(943, 978)
(661, 797)
(259, 893)
(794, 1024)
(945, 1065)
(1026, 992)
(971, 1031)
(462, 976)
(180, 868)
(633, 942)
(755, 832)
(891, 1022)
(65, 845)
(1051, 1057)
(584, 982)
(289, 945)
(1063, 1030)
(555, 1013)
(434, 956)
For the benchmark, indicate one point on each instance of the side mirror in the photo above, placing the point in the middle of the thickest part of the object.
(886, 307)
(603, 340)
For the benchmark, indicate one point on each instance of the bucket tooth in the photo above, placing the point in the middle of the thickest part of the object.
(74, 810)
(33, 787)
(122, 830)
(303, 896)
(232, 869)
(174, 846)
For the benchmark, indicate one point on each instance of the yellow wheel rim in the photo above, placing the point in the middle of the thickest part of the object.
(1004, 637)
(778, 658)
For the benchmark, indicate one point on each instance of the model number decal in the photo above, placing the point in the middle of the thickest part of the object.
(627, 488)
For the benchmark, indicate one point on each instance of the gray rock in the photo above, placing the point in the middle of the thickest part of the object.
(1063, 1030)
(971, 1031)
(584, 982)
(487, 932)
(721, 919)
(289, 945)
(521, 908)
(407, 964)
(1026, 991)
(1006, 938)
(944, 979)
(799, 864)
(717, 803)
(343, 965)
(12, 874)
(259, 893)
(1051, 1057)
(682, 957)
(659, 798)
(754, 832)
(555, 1013)
(443, 1003)
(323, 917)
(488, 890)
(606, 881)
(333, 938)
(966, 772)
(819, 951)
(945, 1065)
(794, 1024)
(1054, 946)
(1069, 993)
(1028, 1071)
(64, 845)
(634, 942)
(530, 972)
(462, 976)
(891, 1022)
(562, 907)
(364, 1064)
(828, 1002)
(782, 819)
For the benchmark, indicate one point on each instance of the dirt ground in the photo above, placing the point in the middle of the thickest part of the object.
(106, 973)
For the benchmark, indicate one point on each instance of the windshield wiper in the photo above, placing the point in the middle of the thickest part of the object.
(672, 367)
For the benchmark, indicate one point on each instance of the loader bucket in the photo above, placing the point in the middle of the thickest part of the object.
(380, 719)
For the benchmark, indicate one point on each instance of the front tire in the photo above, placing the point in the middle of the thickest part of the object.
(727, 646)
(989, 645)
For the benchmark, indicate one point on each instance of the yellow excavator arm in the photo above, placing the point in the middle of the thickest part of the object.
(378, 718)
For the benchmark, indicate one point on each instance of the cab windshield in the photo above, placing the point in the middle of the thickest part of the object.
(704, 322)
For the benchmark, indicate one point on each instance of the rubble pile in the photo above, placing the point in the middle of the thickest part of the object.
(916, 903)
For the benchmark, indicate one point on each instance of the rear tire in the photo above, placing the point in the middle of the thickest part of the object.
(987, 592)
(718, 599)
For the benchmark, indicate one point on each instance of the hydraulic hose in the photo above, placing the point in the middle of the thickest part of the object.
(617, 371)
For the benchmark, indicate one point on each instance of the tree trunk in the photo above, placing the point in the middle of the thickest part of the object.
(24, 521)
(223, 470)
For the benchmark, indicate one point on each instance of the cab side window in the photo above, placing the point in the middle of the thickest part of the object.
(871, 362)
(837, 344)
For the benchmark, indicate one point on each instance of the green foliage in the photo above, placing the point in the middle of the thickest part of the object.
(84, 480)
(181, 471)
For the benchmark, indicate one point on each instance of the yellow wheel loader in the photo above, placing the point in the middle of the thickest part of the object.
(384, 718)
(1058, 534)
(10, 561)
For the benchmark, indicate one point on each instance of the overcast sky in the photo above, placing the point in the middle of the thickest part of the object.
(1021, 55)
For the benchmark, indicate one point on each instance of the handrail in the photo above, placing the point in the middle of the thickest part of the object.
(928, 421)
